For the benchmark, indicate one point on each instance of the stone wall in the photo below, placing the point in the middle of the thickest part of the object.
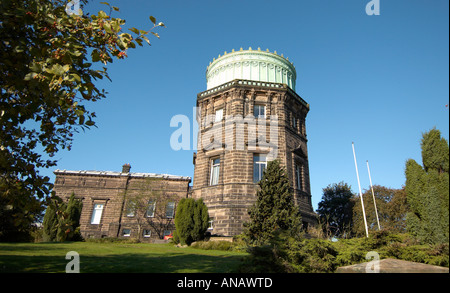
(114, 190)
(228, 201)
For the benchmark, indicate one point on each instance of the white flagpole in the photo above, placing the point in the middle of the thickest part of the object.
(360, 193)
(373, 194)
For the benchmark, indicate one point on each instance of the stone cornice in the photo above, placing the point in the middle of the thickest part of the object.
(120, 174)
(248, 85)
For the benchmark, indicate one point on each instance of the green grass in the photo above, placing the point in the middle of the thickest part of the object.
(116, 258)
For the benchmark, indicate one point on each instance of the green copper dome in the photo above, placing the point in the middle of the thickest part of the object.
(251, 65)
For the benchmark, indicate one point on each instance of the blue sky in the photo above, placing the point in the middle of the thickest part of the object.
(379, 81)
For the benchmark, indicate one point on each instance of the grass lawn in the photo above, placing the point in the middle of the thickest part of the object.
(115, 258)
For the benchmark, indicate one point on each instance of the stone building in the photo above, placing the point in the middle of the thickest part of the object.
(124, 204)
(249, 114)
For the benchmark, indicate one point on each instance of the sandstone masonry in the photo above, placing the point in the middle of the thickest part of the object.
(226, 176)
(124, 204)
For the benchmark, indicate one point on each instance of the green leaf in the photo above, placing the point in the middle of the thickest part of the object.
(96, 74)
(75, 77)
(134, 30)
(102, 14)
(155, 34)
(95, 56)
(89, 123)
(30, 76)
(153, 19)
(57, 69)
(36, 67)
(79, 112)
(146, 39)
(75, 53)
(107, 27)
(81, 120)
(115, 26)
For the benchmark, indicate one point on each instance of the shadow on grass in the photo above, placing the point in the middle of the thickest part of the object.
(27, 247)
(123, 263)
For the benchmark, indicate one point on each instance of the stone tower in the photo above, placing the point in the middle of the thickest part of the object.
(249, 114)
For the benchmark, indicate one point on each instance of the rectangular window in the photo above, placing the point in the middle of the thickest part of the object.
(215, 167)
(131, 209)
(259, 165)
(259, 111)
(170, 210)
(126, 232)
(294, 122)
(151, 209)
(147, 233)
(298, 176)
(219, 115)
(211, 225)
(97, 214)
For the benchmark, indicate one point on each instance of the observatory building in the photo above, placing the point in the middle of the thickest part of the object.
(249, 114)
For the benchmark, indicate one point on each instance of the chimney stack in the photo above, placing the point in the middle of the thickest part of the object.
(126, 168)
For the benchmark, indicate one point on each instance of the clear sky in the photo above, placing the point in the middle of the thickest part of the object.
(379, 81)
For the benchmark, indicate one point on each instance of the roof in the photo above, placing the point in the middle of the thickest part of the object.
(251, 64)
(119, 174)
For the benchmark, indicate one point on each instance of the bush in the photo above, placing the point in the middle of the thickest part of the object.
(287, 254)
(311, 256)
(380, 239)
(112, 240)
(262, 259)
(213, 245)
(191, 220)
(349, 252)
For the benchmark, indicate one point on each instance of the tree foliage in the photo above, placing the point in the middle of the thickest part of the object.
(62, 220)
(50, 62)
(335, 209)
(146, 205)
(427, 189)
(391, 206)
(18, 214)
(289, 255)
(274, 208)
(191, 220)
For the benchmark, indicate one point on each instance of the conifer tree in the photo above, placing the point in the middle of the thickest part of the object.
(70, 220)
(428, 191)
(335, 209)
(191, 220)
(50, 222)
(62, 219)
(274, 209)
(201, 220)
